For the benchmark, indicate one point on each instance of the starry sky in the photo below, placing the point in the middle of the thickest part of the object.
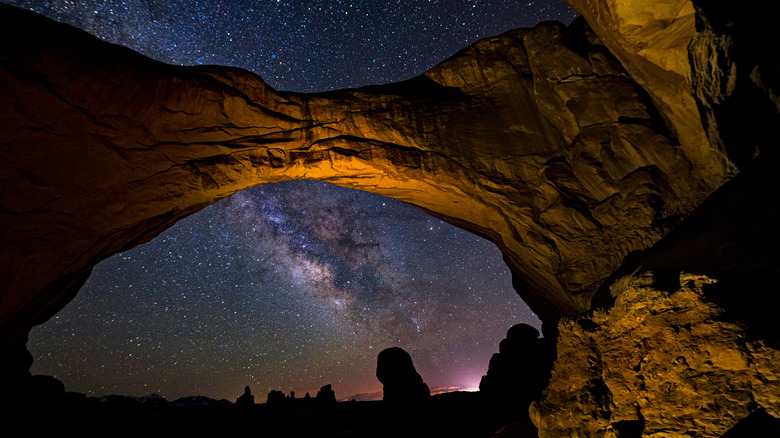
(293, 285)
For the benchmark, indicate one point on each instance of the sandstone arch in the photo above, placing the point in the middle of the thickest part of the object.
(530, 139)
(565, 156)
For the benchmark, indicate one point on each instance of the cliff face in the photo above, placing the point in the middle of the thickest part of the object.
(684, 339)
(708, 68)
(688, 344)
(574, 149)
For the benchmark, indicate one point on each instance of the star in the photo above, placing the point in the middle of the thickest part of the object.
(294, 285)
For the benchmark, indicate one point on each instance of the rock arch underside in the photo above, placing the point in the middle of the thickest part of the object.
(624, 165)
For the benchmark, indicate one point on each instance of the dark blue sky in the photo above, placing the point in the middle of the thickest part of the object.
(294, 285)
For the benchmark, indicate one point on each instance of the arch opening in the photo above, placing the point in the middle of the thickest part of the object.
(285, 286)
(492, 140)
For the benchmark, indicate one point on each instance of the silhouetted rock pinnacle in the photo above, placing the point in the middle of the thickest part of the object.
(275, 398)
(246, 399)
(402, 383)
(520, 370)
(326, 395)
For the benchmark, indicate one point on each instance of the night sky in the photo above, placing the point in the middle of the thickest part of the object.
(294, 285)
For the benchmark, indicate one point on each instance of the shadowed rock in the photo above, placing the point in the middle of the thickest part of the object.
(520, 370)
(326, 395)
(41, 391)
(246, 399)
(402, 385)
(276, 398)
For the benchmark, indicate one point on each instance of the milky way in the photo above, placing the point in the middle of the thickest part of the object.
(293, 285)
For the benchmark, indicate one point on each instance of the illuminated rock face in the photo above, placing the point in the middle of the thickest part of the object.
(537, 140)
(569, 158)
(659, 363)
(688, 346)
(709, 69)
(651, 40)
(686, 343)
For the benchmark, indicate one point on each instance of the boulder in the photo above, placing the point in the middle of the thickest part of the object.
(402, 385)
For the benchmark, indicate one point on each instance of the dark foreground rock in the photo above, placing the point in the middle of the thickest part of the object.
(517, 374)
(246, 399)
(402, 385)
(326, 395)
(520, 369)
(446, 415)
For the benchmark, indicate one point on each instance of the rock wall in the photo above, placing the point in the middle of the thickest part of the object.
(683, 338)
(709, 68)
(658, 363)
(687, 343)
(651, 41)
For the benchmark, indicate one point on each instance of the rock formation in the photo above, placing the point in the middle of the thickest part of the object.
(42, 391)
(537, 139)
(246, 399)
(275, 398)
(402, 385)
(658, 362)
(708, 68)
(516, 376)
(326, 395)
(688, 344)
(684, 340)
(520, 370)
(579, 151)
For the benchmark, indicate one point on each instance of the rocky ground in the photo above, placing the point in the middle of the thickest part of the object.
(459, 414)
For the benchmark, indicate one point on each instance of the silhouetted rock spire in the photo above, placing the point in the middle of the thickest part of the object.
(275, 398)
(520, 369)
(246, 399)
(402, 383)
(326, 395)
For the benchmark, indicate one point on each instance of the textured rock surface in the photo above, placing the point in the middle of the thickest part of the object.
(537, 140)
(691, 354)
(736, 77)
(651, 41)
(710, 68)
(571, 159)
(656, 364)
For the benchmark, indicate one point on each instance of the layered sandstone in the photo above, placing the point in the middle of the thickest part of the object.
(688, 343)
(578, 151)
(537, 140)
(710, 69)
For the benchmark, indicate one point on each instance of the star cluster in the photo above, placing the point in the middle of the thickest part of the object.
(293, 285)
